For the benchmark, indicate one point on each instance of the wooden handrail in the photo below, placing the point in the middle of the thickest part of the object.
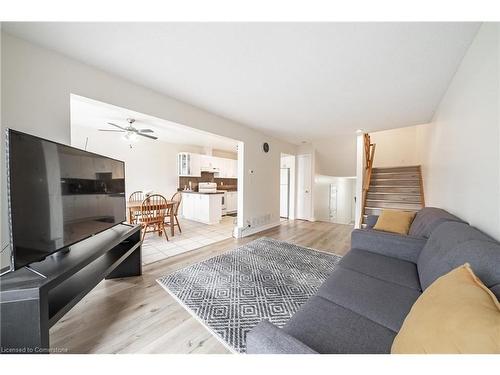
(369, 155)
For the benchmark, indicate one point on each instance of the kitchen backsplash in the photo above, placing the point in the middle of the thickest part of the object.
(230, 184)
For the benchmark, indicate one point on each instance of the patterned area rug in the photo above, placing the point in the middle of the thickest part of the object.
(264, 279)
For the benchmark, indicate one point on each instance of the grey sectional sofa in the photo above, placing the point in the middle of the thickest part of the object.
(362, 305)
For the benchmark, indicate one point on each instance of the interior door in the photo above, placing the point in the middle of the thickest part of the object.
(285, 192)
(304, 182)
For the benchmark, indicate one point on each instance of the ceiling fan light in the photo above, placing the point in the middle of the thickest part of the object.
(130, 136)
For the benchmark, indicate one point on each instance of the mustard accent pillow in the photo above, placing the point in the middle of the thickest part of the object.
(395, 221)
(455, 314)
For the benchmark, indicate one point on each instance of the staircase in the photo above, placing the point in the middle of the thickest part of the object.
(396, 188)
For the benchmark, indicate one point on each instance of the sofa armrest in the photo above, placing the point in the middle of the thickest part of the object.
(390, 244)
(266, 338)
(371, 220)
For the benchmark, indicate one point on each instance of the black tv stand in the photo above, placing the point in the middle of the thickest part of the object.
(35, 271)
(30, 304)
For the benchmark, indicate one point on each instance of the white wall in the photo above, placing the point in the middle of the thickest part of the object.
(336, 156)
(398, 147)
(36, 88)
(149, 165)
(462, 149)
(225, 154)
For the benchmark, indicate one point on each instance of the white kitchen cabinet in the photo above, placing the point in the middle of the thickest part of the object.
(207, 163)
(231, 201)
(222, 167)
(204, 208)
(189, 164)
(229, 168)
(233, 168)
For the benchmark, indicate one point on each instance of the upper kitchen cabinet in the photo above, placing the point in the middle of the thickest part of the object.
(233, 168)
(209, 164)
(229, 168)
(193, 164)
(189, 164)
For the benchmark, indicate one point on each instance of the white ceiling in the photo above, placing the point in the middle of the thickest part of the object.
(96, 115)
(297, 81)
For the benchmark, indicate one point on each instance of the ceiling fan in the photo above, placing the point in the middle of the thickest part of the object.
(130, 130)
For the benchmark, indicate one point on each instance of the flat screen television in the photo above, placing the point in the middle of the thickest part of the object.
(58, 195)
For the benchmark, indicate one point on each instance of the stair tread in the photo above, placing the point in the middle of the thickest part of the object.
(390, 176)
(393, 173)
(393, 187)
(397, 209)
(389, 193)
(394, 179)
(391, 201)
(390, 181)
(404, 167)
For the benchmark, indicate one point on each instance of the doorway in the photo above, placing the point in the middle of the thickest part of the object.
(188, 158)
(334, 199)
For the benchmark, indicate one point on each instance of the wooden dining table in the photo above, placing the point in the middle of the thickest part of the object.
(133, 206)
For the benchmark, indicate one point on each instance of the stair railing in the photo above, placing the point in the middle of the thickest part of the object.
(369, 155)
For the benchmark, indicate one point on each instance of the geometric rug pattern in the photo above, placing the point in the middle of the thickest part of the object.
(264, 279)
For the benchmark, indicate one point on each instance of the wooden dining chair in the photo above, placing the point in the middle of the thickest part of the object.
(136, 196)
(177, 199)
(152, 215)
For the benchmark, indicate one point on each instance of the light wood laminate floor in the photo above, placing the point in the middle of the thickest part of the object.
(135, 315)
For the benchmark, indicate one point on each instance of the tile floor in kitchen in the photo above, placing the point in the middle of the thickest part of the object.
(193, 236)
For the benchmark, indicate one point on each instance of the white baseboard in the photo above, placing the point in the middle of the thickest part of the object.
(245, 232)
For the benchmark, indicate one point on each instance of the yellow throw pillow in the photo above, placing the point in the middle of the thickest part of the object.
(395, 221)
(456, 314)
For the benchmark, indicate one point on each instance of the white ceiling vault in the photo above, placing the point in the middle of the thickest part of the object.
(296, 81)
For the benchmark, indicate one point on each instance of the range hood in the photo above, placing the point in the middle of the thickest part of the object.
(210, 169)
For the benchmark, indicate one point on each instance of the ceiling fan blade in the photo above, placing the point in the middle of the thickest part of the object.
(111, 130)
(147, 136)
(118, 126)
(146, 131)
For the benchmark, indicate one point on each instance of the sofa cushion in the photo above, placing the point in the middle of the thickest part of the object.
(382, 267)
(427, 219)
(381, 301)
(457, 314)
(453, 244)
(394, 221)
(329, 328)
(389, 244)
